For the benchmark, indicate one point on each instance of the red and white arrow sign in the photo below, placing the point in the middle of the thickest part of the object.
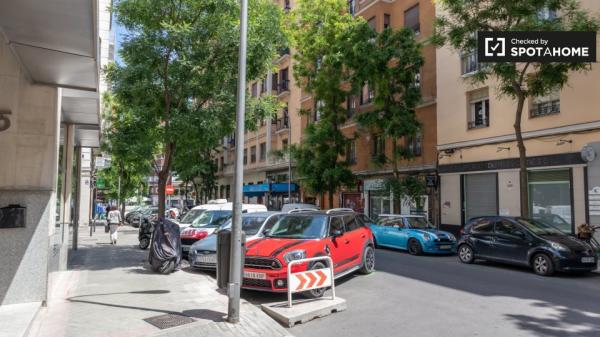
(311, 279)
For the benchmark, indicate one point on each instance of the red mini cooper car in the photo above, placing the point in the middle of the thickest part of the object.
(339, 233)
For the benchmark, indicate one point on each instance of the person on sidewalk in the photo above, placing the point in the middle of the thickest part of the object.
(114, 221)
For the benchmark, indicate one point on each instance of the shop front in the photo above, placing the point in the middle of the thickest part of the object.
(378, 201)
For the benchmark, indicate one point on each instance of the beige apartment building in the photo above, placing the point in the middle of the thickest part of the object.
(478, 155)
(267, 178)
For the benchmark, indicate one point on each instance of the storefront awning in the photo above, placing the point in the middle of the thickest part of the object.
(260, 189)
(283, 188)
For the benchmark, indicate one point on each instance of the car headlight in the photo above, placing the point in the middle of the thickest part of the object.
(558, 246)
(427, 237)
(294, 255)
(451, 237)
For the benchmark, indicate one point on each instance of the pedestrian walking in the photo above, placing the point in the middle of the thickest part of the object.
(114, 221)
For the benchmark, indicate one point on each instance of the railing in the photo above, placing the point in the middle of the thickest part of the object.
(478, 124)
(545, 108)
(283, 86)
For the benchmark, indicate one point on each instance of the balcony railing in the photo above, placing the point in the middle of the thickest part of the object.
(545, 108)
(283, 86)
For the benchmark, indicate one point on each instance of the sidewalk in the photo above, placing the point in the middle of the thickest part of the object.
(109, 292)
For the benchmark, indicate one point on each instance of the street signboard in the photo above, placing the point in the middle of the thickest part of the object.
(169, 190)
(100, 183)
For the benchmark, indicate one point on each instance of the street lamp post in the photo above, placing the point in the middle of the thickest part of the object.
(233, 288)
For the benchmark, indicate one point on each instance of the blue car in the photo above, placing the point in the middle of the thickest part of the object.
(413, 233)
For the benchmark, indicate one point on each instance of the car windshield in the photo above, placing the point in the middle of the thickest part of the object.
(419, 223)
(211, 219)
(191, 216)
(299, 227)
(149, 211)
(540, 227)
(250, 224)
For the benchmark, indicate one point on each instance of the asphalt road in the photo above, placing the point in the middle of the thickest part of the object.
(439, 296)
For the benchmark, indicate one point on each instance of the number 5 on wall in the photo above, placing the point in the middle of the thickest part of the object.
(4, 121)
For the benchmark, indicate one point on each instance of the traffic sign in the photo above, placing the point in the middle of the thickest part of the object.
(169, 190)
(311, 279)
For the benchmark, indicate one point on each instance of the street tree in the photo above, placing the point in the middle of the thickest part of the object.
(326, 39)
(390, 66)
(459, 23)
(179, 71)
(128, 142)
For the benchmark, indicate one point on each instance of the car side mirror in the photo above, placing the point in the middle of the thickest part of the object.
(336, 233)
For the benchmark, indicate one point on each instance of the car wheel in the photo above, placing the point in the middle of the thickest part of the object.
(144, 243)
(414, 247)
(465, 254)
(543, 265)
(315, 293)
(368, 263)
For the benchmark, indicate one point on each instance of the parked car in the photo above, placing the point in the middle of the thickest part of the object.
(203, 253)
(527, 242)
(215, 205)
(147, 214)
(342, 235)
(413, 233)
(209, 220)
(288, 207)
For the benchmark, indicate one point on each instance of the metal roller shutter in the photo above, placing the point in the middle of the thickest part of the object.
(481, 195)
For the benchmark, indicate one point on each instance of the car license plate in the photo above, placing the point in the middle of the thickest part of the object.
(185, 248)
(208, 258)
(253, 275)
(445, 246)
(589, 259)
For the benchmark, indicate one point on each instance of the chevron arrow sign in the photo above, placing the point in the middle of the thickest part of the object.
(308, 280)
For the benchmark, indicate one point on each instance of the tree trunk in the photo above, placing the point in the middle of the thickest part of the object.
(163, 177)
(524, 195)
(330, 196)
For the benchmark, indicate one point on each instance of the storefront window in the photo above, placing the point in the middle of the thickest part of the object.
(379, 204)
(550, 198)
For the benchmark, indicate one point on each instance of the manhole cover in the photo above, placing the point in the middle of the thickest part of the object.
(169, 320)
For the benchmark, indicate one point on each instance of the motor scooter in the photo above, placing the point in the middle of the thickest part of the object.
(145, 233)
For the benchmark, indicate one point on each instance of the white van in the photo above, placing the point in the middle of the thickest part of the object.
(203, 220)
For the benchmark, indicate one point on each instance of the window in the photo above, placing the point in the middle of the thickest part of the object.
(351, 105)
(373, 23)
(366, 94)
(417, 82)
(253, 154)
(351, 6)
(222, 163)
(284, 84)
(351, 223)
(351, 152)
(411, 19)
(317, 115)
(263, 151)
(227, 191)
(395, 222)
(245, 156)
(414, 144)
(284, 144)
(479, 109)
(469, 63)
(545, 105)
(550, 197)
(263, 86)
(221, 191)
(387, 21)
(505, 227)
(482, 226)
(378, 146)
(336, 224)
(254, 89)
(287, 6)
(275, 82)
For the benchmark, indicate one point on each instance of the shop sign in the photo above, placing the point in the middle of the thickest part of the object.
(431, 180)
(594, 201)
(373, 184)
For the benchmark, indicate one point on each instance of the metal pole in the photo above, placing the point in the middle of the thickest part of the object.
(289, 160)
(233, 312)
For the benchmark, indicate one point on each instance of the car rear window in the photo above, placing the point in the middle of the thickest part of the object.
(351, 223)
(482, 225)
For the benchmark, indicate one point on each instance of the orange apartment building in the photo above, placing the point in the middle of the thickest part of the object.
(419, 16)
(265, 175)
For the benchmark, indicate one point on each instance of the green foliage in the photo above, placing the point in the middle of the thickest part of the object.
(127, 141)
(409, 187)
(328, 40)
(179, 76)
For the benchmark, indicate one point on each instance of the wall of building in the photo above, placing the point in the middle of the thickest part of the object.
(28, 172)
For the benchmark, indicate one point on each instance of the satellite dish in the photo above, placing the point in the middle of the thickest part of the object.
(588, 154)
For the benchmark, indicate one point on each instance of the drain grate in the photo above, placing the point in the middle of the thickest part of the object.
(169, 320)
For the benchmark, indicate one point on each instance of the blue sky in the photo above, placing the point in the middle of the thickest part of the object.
(119, 35)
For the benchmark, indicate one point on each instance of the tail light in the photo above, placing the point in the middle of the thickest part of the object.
(198, 234)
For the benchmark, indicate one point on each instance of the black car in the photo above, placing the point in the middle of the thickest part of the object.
(526, 242)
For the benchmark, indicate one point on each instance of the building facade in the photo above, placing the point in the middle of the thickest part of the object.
(478, 155)
(268, 178)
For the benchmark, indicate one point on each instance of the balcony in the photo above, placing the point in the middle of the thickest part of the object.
(283, 86)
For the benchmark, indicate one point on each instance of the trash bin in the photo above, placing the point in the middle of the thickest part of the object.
(224, 257)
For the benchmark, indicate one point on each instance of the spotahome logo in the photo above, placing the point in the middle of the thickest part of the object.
(536, 46)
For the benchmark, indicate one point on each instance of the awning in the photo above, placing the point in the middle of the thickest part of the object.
(56, 41)
(283, 188)
(256, 189)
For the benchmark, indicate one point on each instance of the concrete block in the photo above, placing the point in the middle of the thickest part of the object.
(304, 310)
